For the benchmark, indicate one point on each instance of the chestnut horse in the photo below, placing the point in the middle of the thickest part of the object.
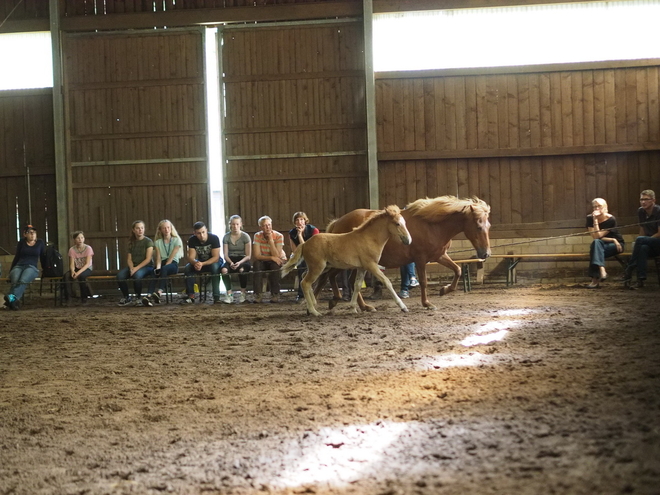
(432, 222)
(358, 249)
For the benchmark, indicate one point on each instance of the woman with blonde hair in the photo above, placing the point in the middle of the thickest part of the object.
(607, 241)
(168, 250)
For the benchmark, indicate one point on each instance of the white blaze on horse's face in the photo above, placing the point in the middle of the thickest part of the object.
(404, 235)
(478, 234)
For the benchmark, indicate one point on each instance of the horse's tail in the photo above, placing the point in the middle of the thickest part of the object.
(293, 261)
(331, 226)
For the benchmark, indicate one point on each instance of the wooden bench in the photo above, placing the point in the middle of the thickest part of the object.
(514, 259)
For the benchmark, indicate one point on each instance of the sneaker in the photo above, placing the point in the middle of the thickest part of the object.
(147, 302)
(413, 282)
(125, 301)
(227, 299)
(241, 298)
(188, 300)
(155, 298)
(11, 302)
(404, 294)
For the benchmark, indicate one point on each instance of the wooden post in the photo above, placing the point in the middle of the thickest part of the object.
(61, 182)
(370, 100)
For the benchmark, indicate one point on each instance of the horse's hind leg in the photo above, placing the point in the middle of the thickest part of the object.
(386, 281)
(310, 277)
(360, 300)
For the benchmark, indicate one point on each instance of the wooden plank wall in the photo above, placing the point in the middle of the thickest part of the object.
(137, 135)
(27, 165)
(538, 147)
(295, 122)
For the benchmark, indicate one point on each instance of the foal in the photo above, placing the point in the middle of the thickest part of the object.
(359, 249)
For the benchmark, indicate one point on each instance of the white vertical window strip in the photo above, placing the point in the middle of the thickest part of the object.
(510, 36)
(25, 61)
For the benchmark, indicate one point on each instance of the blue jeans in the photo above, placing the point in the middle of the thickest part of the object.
(161, 279)
(645, 247)
(213, 269)
(598, 252)
(407, 272)
(20, 276)
(125, 273)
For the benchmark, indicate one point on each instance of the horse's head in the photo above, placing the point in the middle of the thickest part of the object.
(397, 226)
(477, 227)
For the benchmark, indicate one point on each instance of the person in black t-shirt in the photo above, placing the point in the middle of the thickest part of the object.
(648, 243)
(607, 241)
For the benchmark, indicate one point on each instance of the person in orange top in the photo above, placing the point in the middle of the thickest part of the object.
(268, 251)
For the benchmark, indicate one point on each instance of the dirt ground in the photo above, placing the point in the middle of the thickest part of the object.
(536, 389)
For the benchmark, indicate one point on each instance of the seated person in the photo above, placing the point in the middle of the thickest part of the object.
(302, 231)
(237, 250)
(203, 257)
(29, 251)
(168, 249)
(80, 267)
(648, 243)
(607, 241)
(139, 262)
(268, 250)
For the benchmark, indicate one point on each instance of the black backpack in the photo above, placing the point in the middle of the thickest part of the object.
(54, 264)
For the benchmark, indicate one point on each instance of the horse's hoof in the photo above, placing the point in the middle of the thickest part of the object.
(430, 307)
(369, 309)
(333, 302)
(404, 309)
(445, 290)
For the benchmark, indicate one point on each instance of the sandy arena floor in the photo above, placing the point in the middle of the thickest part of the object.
(530, 390)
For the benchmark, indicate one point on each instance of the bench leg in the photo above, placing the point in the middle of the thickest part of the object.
(465, 274)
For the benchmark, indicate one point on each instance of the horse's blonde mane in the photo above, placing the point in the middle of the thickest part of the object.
(434, 208)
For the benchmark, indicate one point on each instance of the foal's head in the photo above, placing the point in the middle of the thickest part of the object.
(397, 225)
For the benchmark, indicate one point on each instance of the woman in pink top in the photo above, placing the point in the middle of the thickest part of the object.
(80, 267)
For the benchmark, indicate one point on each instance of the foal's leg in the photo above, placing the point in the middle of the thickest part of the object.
(359, 278)
(313, 272)
(360, 300)
(386, 281)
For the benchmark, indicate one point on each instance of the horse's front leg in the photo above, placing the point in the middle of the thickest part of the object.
(357, 285)
(423, 285)
(445, 260)
(386, 282)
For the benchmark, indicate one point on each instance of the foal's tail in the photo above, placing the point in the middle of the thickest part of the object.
(293, 261)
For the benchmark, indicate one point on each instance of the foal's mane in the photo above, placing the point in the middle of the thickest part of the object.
(392, 211)
(434, 209)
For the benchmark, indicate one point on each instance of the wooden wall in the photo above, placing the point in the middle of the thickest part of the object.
(537, 146)
(27, 165)
(295, 125)
(136, 136)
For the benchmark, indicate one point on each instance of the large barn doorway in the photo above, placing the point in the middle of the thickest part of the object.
(294, 127)
(137, 136)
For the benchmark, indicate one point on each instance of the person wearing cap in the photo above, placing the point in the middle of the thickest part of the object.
(24, 266)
